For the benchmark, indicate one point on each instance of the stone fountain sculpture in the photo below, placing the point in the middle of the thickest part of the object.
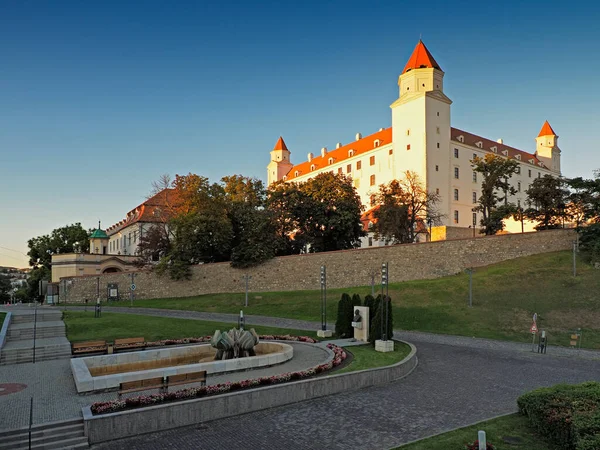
(234, 343)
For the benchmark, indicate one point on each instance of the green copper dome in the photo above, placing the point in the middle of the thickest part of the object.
(99, 234)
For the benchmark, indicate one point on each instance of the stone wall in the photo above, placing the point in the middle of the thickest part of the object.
(344, 268)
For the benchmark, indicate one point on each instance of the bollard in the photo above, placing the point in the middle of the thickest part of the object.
(482, 440)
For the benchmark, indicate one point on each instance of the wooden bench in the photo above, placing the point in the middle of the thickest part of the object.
(129, 343)
(141, 385)
(80, 348)
(185, 378)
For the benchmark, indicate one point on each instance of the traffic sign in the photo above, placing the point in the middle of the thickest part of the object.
(132, 287)
(534, 328)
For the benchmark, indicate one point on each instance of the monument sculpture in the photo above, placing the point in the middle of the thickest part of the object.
(360, 323)
(234, 343)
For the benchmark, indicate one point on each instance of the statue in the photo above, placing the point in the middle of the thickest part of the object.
(234, 343)
(357, 320)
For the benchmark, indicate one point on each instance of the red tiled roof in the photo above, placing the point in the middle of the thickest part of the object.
(369, 217)
(421, 58)
(487, 144)
(152, 210)
(280, 145)
(546, 130)
(361, 146)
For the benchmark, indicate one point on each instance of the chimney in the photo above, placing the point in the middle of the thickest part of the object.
(500, 141)
(381, 129)
(338, 145)
(323, 152)
(358, 136)
(310, 157)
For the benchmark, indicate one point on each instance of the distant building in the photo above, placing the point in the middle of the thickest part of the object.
(421, 139)
(115, 249)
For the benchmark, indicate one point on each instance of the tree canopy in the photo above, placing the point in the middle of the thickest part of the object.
(546, 199)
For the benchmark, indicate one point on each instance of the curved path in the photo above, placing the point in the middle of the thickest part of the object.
(458, 381)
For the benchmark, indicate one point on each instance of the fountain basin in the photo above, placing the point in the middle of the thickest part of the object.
(98, 373)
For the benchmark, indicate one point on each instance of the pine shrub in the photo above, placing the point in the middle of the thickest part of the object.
(375, 330)
(343, 324)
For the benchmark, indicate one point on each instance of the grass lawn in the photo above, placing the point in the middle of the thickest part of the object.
(513, 425)
(2, 315)
(505, 296)
(82, 326)
(365, 357)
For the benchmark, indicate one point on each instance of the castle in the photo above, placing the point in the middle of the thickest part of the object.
(422, 139)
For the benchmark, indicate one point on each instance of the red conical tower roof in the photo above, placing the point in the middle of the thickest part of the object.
(280, 145)
(546, 130)
(421, 59)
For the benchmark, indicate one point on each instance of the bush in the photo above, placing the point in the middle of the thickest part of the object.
(375, 330)
(568, 415)
(475, 446)
(343, 324)
(370, 303)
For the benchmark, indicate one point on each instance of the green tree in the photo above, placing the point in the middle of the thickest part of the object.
(403, 206)
(495, 189)
(285, 203)
(546, 198)
(68, 239)
(370, 303)
(343, 324)
(375, 332)
(5, 288)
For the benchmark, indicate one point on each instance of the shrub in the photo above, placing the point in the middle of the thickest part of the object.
(375, 330)
(343, 324)
(475, 446)
(370, 303)
(568, 415)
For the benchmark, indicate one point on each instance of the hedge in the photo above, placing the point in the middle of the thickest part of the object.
(568, 415)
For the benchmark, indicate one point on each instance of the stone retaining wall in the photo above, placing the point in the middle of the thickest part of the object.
(106, 427)
(346, 268)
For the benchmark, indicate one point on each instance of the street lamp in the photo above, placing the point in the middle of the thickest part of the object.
(384, 304)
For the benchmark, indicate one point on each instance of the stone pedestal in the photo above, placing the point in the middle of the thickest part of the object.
(324, 333)
(384, 346)
(361, 332)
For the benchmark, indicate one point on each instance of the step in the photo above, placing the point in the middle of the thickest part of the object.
(67, 443)
(40, 426)
(44, 435)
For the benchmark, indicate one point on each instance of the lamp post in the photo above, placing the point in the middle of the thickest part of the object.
(324, 332)
(384, 304)
(520, 210)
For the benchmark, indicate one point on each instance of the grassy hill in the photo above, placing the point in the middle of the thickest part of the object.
(505, 296)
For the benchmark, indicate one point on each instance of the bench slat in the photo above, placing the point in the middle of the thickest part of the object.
(88, 344)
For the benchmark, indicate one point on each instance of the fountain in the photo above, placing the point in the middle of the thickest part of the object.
(234, 343)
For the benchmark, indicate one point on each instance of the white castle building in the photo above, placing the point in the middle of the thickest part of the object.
(422, 139)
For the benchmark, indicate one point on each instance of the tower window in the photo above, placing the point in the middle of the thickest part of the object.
(456, 173)
(456, 153)
(391, 152)
(438, 145)
(455, 216)
(372, 161)
(407, 146)
(455, 195)
(474, 197)
(372, 180)
(358, 165)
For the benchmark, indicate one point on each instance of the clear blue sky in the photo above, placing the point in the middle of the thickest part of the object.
(97, 99)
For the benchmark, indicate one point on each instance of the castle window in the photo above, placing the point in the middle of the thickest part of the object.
(376, 143)
(438, 145)
(519, 186)
(339, 170)
(456, 153)
(539, 175)
(505, 152)
(350, 153)
(437, 129)
(312, 167)
(518, 157)
(372, 161)
(455, 216)
(284, 177)
(494, 149)
(461, 138)
(456, 173)
(438, 114)
(474, 156)
(455, 195)
(372, 200)
(437, 191)
(330, 160)
(407, 146)
(474, 197)
(519, 169)
(349, 168)
(296, 173)
(372, 180)
(391, 151)
(529, 173)
(408, 132)
(479, 144)
(437, 168)
(358, 165)
(370, 242)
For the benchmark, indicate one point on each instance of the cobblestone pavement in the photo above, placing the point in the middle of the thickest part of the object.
(453, 386)
(55, 397)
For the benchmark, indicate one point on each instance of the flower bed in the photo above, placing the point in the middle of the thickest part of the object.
(197, 340)
(202, 391)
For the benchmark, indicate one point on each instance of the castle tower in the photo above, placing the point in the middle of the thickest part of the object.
(421, 124)
(99, 241)
(280, 163)
(546, 148)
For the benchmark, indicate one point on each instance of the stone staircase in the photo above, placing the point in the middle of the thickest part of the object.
(50, 340)
(52, 435)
